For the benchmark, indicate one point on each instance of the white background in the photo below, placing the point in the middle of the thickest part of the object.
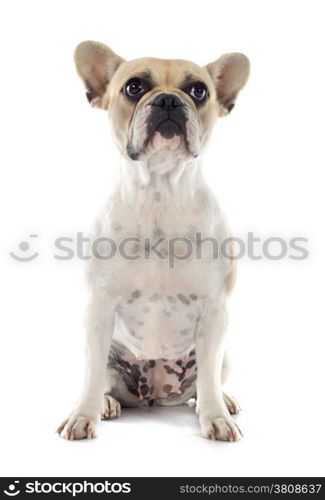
(266, 165)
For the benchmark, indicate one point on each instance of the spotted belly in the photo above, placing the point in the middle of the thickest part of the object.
(156, 325)
(155, 381)
(153, 346)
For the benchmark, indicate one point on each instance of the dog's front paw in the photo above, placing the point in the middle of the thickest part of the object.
(80, 425)
(221, 428)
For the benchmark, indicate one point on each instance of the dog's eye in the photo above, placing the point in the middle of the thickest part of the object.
(135, 88)
(199, 91)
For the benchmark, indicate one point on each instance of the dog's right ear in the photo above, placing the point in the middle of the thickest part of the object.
(96, 63)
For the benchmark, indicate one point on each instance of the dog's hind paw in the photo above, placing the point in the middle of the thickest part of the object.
(111, 408)
(231, 403)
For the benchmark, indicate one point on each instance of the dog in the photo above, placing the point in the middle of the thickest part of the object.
(156, 321)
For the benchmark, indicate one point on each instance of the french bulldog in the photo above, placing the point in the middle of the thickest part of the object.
(156, 319)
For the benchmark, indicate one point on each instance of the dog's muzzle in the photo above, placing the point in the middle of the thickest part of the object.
(164, 120)
(168, 116)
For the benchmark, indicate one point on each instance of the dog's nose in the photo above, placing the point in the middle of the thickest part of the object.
(167, 101)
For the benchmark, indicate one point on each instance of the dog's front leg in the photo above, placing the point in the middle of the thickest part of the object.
(83, 420)
(215, 420)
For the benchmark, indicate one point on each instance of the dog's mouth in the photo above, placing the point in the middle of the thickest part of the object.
(169, 128)
(166, 131)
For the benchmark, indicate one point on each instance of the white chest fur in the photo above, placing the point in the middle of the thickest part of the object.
(160, 293)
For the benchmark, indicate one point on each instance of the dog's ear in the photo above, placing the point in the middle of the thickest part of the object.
(96, 63)
(229, 74)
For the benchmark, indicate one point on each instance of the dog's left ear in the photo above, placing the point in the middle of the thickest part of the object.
(96, 63)
(229, 74)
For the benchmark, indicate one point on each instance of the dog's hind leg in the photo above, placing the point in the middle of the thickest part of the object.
(116, 395)
(225, 368)
(231, 403)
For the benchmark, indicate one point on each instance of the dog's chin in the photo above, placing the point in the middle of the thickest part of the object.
(160, 145)
(174, 143)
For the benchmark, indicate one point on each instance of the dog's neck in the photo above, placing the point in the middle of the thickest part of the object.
(165, 171)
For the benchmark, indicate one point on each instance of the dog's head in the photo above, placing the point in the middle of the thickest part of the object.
(158, 104)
